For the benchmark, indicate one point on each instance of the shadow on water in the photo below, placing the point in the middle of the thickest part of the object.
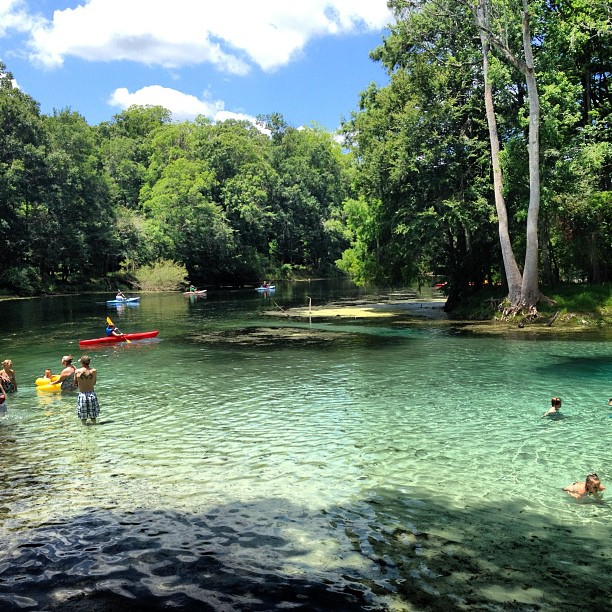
(258, 556)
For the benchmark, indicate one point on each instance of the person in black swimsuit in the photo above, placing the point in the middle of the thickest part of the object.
(66, 379)
(7, 377)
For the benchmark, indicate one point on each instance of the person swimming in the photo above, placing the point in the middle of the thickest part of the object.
(555, 406)
(591, 486)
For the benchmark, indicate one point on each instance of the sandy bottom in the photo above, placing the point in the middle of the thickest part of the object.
(428, 309)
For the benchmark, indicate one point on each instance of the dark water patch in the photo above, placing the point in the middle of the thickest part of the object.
(490, 557)
(394, 551)
(160, 560)
(289, 337)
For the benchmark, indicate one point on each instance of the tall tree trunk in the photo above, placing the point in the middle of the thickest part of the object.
(530, 292)
(513, 274)
(526, 298)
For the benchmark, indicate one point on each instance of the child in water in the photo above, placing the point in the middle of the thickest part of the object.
(555, 406)
(48, 374)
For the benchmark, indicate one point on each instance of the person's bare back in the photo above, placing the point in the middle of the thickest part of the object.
(86, 378)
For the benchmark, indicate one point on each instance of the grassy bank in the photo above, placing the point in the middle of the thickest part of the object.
(570, 305)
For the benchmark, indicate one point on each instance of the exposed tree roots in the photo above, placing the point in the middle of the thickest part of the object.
(528, 312)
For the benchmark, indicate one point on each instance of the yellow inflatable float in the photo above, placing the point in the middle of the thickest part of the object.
(46, 384)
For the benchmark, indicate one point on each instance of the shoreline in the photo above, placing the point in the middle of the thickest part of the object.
(431, 309)
(398, 311)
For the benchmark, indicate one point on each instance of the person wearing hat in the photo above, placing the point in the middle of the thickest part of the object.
(87, 401)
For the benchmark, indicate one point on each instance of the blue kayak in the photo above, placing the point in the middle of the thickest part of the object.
(270, 288)
(126, 301)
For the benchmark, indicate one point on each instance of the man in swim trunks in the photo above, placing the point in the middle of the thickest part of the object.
(591, 486)
(87, 401)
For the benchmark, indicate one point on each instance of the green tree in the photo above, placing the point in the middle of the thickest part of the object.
(81, 216)
(126, 148)
(23, 176)
(185, 225)
(313, 182)
(421, 149)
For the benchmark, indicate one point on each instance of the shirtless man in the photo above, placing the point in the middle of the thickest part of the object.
(591, 486)
(87, 402)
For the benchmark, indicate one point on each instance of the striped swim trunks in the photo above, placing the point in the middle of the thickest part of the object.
(87, 405)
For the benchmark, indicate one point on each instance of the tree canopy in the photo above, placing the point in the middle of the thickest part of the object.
(485, 159)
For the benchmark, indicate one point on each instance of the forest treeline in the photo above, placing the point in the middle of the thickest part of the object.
(407, 195)
(231, 203)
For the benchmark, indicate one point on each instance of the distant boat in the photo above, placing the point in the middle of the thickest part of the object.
(131, 300)
(268, 288)
(199, 292)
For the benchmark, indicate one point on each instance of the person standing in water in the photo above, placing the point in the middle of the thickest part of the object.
(87, 401)
(7, 377)
(66, 379)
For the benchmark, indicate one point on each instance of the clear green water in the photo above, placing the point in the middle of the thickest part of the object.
(377, 466)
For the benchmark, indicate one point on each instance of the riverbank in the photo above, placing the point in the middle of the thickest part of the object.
(572, 308)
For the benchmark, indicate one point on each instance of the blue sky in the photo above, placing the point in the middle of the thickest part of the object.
(305, 59)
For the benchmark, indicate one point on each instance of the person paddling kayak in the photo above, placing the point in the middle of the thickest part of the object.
(112, 330)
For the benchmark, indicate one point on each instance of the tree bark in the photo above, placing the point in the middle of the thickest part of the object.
(530, 287)
(526, 297)
(511, 269)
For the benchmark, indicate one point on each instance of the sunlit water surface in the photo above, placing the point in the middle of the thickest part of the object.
(380, 465)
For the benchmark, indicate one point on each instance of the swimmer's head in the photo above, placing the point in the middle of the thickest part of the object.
(592, 484)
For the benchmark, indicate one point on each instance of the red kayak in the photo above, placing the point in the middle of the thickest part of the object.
(112, 339)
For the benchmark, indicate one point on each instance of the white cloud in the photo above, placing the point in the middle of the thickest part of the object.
(182, 106)
(232, 35)
(14, 16)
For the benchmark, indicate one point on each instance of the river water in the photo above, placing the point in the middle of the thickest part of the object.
(251, 462)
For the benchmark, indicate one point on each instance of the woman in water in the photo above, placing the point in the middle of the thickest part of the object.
(66, 379)
(7, 377)
(591, 486)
